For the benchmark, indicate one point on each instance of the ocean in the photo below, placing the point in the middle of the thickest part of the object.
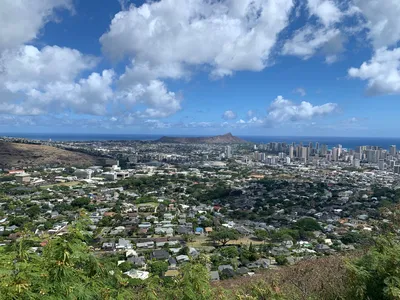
(346, 142)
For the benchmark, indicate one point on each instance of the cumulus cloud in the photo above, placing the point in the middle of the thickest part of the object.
(21, 21)
(326, 10)
(160, 102)
(229, 115)
(382, 72)
(323, 36)
(282, 110)
(308, 40)
(49, 80)
(46, 80)
(226, 35)
(28, 67)
(87, 96)
(382, 21)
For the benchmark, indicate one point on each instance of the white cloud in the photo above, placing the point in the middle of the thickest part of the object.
(301, 91)
(124, 4)
(323, 36)
(282, 110)
(228, 35)
(330, 59)
(166, 39)
(161, 103)
(21, 21)
(382, 72)
(382, 21)
(44, 81)
(229, 115)
(308, 40)
(87, 96)
(326, 10)
(28, 67)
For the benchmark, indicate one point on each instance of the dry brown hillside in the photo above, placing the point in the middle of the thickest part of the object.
(26, 155)
(323, 278)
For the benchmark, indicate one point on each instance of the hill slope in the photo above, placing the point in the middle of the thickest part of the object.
(219, 139)
(26, 155)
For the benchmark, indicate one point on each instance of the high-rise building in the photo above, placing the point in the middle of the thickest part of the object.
(255, 155)
(304, 153)
(335, 154)
(356, 163)
(381, 164)
(324, 149)
(372, 156)
(291, 150)
(261, 156)
(396, 169)
(228, 152)
(393, 150)
(299, 151)
(339, 150)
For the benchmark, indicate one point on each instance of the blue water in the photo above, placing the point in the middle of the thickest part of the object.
(346, 142)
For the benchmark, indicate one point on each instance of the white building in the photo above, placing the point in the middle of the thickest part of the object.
(83, 174)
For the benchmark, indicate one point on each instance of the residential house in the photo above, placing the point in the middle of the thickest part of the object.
(123, 244)
(138, 261)
(160, 254)
(108, 246)
(145, 245)
(172, 263)
(137, 274)
(182, 258)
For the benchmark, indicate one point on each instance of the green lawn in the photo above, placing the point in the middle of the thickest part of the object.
(71, 183)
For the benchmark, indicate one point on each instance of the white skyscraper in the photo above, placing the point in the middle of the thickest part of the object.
(228, 152)
(381, 164)
(335, 154)
(304, 154)
(356, 163)
(291, 151)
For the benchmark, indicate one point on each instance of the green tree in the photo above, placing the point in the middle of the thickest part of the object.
(67, 269)
(307, 224)
(158, 267)
(261, 234)
(33, 211)
(229, 252)
(281, 260)
(376, 275)
(80, 202)
(223, 236)
(126, 266)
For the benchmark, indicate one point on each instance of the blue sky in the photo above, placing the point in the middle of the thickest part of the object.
(250, 67)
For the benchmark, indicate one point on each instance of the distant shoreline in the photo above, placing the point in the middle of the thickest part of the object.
(346, 142)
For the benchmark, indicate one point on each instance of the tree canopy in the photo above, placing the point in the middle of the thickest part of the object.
(223, 236)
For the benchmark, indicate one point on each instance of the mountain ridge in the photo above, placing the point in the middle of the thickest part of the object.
(33, 155)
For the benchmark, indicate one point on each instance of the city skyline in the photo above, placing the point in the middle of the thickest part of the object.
(262, 68)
